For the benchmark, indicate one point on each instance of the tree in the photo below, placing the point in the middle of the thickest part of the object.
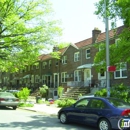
(25, 29)
(118, 9)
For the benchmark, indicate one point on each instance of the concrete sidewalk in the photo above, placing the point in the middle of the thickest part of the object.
(49, 110)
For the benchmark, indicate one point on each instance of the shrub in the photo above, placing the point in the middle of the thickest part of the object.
(43, 91)
(65, 102)
(23, 94)
(60, 91)
(118, 91)
(26, 105)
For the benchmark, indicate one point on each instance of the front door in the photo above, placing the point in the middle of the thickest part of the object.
(87, 77)
(56, 80)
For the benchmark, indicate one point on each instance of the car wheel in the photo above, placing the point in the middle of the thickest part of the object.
(63, 118)
(14, 108)
(104, 124)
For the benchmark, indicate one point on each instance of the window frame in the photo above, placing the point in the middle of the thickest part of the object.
(88, 54)
(76, 56)
(64, 59)
(120, 70)
(77, 75)
(63, 77)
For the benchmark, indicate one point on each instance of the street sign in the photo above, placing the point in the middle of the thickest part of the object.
(111, 68)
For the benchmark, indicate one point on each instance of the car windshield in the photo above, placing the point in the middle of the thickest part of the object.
(6, 94)
(118, 103)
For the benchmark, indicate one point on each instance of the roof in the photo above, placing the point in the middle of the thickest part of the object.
(112, 33)
(84, 43)
(45, 56)
(101, 37)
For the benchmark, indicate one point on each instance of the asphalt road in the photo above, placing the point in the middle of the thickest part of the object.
(27, 120)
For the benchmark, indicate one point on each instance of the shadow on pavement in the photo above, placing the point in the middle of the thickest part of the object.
(5, 108)
(40, 122)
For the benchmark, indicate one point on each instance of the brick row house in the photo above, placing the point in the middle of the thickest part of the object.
(75, 68)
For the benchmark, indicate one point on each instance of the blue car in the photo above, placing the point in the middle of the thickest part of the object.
(104, 113)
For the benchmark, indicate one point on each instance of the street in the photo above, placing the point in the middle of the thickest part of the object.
(28, 120)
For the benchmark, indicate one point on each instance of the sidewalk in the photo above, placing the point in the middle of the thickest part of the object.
(49, 110)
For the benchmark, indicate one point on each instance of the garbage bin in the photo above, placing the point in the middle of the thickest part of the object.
(37, 98)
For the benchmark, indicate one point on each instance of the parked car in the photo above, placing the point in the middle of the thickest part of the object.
(8, 99)
(104, 113)
(84, 96)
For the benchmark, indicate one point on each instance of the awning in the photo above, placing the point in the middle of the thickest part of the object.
(26, 76)
(85, 66)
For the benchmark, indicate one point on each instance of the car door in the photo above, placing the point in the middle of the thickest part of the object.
(78, 112)
(96, 108)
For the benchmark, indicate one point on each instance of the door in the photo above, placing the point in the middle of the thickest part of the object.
(87, 77)
(79, 112)
(56, 80)
(55, 95)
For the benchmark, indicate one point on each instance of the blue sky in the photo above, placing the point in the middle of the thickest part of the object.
(77, 19)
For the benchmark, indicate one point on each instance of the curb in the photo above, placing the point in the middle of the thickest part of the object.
(37, 111)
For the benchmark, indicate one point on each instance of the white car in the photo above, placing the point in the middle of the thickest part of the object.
(9, 100)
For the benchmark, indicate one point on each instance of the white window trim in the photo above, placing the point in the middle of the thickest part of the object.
(65, 76)
(44, 65)
(102, 77)
(37, 66)
(76, 56)
(36, 78)
(116, 41)
(120, 70)
(78, 76)
(87, 54)
(64, 60)
(49, 64)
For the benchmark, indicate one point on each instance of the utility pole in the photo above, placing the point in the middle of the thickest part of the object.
(107, 50)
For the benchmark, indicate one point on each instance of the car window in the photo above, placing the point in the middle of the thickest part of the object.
(82, 103)
(6, 94)
(119, 103)
(97, 103)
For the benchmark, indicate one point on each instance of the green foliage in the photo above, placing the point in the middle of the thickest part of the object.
(26, 26)
(118, 91)
(65, 102)
(63, 45)
(118, 9)
(60, 91)
(23, 94)
(25, 105)
(40, 101)
(43, 91)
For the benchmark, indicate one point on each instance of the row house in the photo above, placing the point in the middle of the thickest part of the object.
(75, 68)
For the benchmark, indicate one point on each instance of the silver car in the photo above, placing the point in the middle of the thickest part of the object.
(9, 100)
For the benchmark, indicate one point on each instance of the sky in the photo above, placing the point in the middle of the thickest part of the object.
(77, 19)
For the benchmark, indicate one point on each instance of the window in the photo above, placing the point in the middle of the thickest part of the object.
(36, 79)
(32, 79)
(77, 75)
(64, 59)
(49, 64)
(56, 62)
(121, 72)
(37, 66)
(43, 79)
(76, 56)
(82, 104)
(64, 77)
(44, 65)
(117, 41)
(102, 74)
(87, 53)
(95, 103)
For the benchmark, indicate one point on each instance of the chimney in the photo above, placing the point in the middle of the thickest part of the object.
(55, 48)
(95, 34)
